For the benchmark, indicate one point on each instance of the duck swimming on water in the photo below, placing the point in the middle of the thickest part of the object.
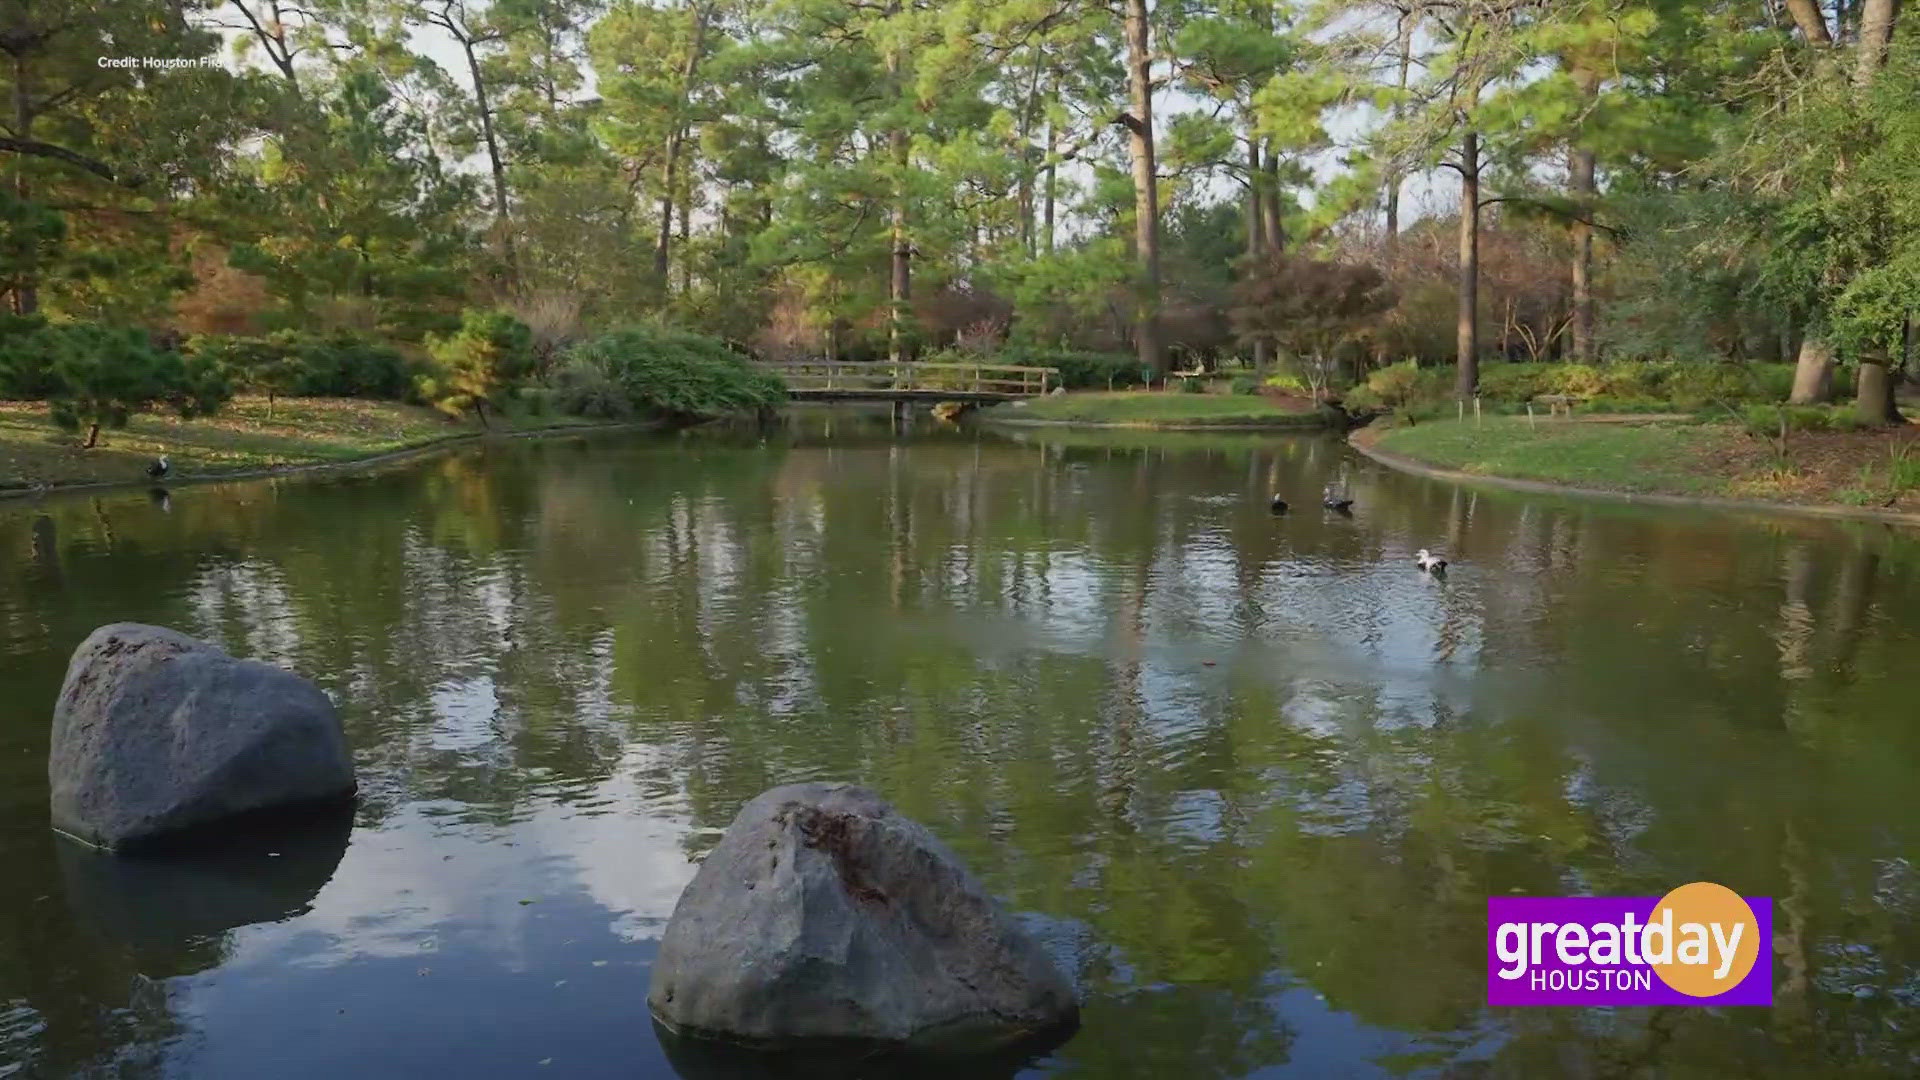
(1279, 505)
(1428, 561)
(1335, 497)
(160, 467)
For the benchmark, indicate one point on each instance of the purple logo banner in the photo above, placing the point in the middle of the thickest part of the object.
(1701, 944)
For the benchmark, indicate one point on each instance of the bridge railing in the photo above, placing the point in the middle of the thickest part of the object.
(844, 376)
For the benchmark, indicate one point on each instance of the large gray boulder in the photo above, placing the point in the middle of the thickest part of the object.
(156, 733)
(824, 915)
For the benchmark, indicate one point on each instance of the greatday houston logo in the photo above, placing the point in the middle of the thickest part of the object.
(1701, 944)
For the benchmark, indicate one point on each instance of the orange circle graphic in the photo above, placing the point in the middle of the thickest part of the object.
(1704, 904)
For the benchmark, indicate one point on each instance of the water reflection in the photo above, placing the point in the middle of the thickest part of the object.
(1255, 777)
(169, 914)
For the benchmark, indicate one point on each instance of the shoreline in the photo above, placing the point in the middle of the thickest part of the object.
(1361, 441)
(439, 444)
(1153, 425)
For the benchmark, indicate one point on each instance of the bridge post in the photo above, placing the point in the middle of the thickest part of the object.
(902, 412)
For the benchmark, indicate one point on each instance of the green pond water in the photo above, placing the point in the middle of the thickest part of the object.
(1250, 779)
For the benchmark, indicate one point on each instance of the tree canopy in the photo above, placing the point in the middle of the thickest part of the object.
(1637, 179)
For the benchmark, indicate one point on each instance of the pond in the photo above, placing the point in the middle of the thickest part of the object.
(1253, 778)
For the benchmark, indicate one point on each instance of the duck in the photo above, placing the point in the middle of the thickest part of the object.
(1428, 561)
(1335, 498)
(160, 467)
(1279, 505)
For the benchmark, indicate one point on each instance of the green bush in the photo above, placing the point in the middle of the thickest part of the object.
(1401, 387)
(300, 363)
(1636, 380)
(26, 360)
(255, 365)
(1772, 382)
(1289, 382)
(478, 366)
(1574, 380)
(1766, 419)
(1192, 386)
(1639, 385)
(343, 364)
(590, 385)
(1513, 382)
(1695, 386)
(652, 371)
(1078, 370)
(1244, 385)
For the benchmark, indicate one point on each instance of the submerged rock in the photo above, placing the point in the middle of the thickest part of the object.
(156, 733)
(824, 915)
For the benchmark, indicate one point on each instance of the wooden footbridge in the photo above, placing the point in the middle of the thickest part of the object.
(911, 381)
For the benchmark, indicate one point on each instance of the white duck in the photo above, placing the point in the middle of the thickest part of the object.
(1428, 561)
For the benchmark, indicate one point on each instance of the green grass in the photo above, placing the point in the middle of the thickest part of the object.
(1146, 409)
(240, 438)
(1618, 457)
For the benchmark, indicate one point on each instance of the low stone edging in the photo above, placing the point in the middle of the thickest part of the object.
(432, 446)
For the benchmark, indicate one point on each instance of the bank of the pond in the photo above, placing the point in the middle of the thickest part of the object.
(239, 441)
(1161, 410)
(1863, 475)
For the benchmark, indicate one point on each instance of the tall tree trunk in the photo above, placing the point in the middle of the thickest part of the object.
(1256, 240)
(1811, 21)
(1025, 139)
(686, 231)
(1876, 31)
(1256, 206)
(1873, 391)
(1467, 378)
(1580, 179)
(26, 292)
(1270, 219)
(1146, 195)
(498, 163)
(1053, 138)
(1404, 46)
(900, 279)
(669, 176)
(900, 263)
(677, 137)
(1812, 372)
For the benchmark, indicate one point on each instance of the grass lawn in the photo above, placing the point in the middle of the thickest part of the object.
(240, 438)
(1865, 469)
(1618, 457)
(1158, 408)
